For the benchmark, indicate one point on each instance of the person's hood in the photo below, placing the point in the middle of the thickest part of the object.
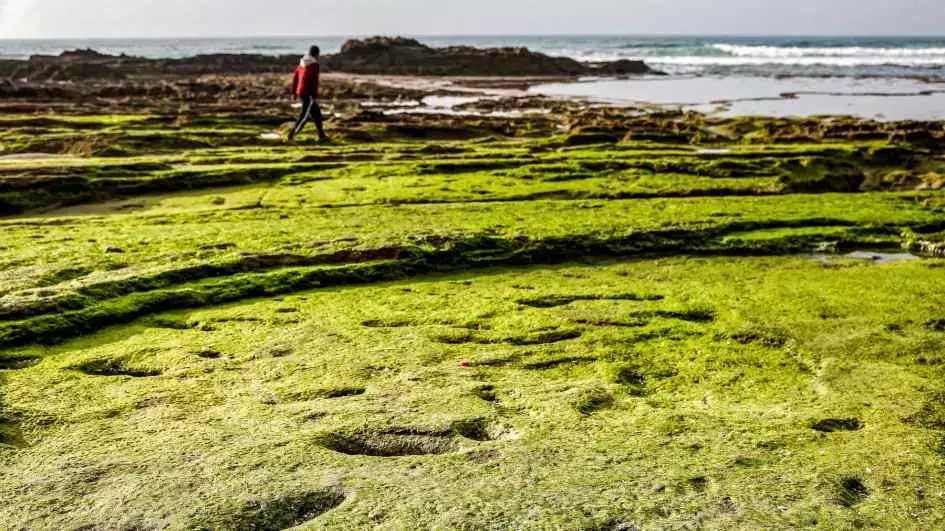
(308, 60)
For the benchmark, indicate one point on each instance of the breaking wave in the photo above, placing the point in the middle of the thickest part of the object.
(787, 52)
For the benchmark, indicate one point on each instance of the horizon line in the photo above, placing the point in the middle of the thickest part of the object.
(493, 35)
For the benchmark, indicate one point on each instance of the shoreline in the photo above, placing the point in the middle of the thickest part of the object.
(401, 69)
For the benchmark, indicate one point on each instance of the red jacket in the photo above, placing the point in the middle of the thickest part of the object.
(305, 80)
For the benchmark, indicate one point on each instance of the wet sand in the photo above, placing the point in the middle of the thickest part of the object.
(499, 85)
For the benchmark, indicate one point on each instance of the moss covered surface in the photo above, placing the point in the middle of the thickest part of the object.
(598, 330)
(740, 392)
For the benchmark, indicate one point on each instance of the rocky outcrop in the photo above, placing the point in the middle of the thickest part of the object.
(378, 55)
(384, 55)
(80, 54)
(83, 65)
(623, 67)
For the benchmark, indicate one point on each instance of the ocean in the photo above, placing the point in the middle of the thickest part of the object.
(701, 56)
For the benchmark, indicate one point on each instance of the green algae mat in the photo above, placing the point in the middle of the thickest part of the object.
(550, 333)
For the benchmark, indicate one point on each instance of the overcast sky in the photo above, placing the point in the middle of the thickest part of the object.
(168, 18)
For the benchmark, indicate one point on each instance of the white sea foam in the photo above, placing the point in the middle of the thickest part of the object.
(695, 63)
(849, 51)
(848, 61)
(740, 57)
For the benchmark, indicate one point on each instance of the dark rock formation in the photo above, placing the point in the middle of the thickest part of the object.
(385, 55)
(82, 54)
(623, 67)
(86, 65)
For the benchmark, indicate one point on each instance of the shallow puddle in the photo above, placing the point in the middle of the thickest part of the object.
(713, 151)
(881, 99)
(16, 157)
(448, 102)
(882, 258)
(878, 258)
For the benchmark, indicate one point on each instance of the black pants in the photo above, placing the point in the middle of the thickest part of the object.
(310, 111)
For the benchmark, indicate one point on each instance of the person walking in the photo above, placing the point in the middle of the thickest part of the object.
(305, 82)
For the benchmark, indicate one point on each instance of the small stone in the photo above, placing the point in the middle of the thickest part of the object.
(268, 398)
(827, 247)
(209, 353)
